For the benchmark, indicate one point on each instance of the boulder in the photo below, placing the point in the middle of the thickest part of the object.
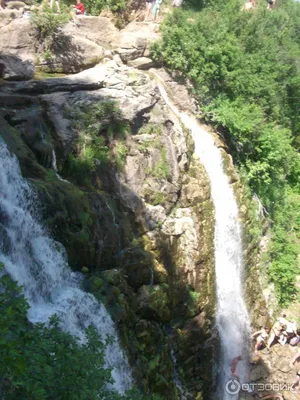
(196, 188)
(72, 53)
(14, 69)
(142, 63)
(135, 40)
(74, 49)
(98, 30)
(17, 39)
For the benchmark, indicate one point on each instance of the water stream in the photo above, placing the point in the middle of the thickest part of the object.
(40, 265)
(232, 318)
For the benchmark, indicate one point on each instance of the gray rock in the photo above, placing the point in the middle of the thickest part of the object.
(74, 50)
(142, 63)
(13, 68)
(135, 94)
(17, 39)
(16, 5)
(8, 15)
(135, 40)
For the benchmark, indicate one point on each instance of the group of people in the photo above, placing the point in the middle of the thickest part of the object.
(283, 331)
(250, 4)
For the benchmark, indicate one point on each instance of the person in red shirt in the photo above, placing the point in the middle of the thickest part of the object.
(77, 10)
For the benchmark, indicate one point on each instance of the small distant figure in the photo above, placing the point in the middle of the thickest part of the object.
(249, 5)
(296, 384)
(233, 365)
(290, 332)
(276, 333)
(282, 319)
(57, 5)
(271, 4)
(77, 10)
(149, 6)
(295, 358)
(261, 338)
(155, 9)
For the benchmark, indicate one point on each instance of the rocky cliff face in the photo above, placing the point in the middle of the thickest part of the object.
(119, 187)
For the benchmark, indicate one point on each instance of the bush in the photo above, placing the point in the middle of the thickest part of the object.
(161, 169)
(47, 23)
(99, 127)
(94, 7)
(40, 362)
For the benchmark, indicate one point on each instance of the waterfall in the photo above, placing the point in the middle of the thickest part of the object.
(39, 264)
(176, 378)
(232, 319)
(54, 166)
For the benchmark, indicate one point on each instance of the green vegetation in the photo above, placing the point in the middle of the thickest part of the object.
(154, 198)
(121, 155)
(245, 70)
(94, 7)
(47, 23)
(161, 169)
(100, 128)
(44, 363)
(151, 129)
(40, 362)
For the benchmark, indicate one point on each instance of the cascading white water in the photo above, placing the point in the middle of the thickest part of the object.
(231, 315)
(39, 264)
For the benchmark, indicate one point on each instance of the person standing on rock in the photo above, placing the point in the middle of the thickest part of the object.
(149, 6)
(155, 9)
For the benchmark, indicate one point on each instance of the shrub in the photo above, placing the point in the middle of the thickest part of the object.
(121, 155)
(47, 23)
(161, 169)
(94, 7)
(97, 126)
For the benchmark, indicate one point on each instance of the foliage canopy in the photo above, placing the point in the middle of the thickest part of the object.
(41, 362)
